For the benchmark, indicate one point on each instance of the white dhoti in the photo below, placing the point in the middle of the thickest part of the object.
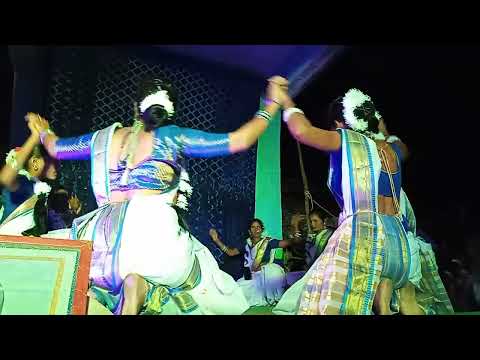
(142, 236)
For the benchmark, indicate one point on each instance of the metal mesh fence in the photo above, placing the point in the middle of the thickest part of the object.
(90, 88)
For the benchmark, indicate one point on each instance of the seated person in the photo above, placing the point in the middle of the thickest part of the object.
(264, 279)
(315, 242)
(295, 254)
(318, 239)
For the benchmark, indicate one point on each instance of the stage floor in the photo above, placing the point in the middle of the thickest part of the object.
(96, 309)
(259, 310)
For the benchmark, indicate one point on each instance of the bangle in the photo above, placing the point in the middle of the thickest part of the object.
(43, 135)
(289, 112)
(265, 115)
(224, 248)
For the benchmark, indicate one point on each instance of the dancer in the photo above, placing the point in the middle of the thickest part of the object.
(143, 254)
(368, 256)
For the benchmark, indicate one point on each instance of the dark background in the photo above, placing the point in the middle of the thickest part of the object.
(430, 98)
(428, 95)
(6, 85)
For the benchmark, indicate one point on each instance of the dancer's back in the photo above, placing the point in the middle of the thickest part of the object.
(118, 151)
(390, 156)
(155, 164)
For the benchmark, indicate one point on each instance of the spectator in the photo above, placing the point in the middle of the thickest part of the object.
(267, 283)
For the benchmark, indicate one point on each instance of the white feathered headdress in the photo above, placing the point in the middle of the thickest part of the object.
(159, 98)
(352, 100)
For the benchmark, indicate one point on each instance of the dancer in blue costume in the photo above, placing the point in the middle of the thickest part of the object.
(367, 259)
(144, 259)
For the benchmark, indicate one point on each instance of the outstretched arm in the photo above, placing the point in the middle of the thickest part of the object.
(197, 143)
(245, 136)
(73, 148)
(248, 134)
(303, 131)
(201, 144)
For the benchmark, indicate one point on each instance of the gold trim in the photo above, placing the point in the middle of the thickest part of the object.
(58, 280)
(58, 284)
(185, 302)
(262, 247)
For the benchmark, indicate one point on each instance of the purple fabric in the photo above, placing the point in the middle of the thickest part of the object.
(74, 148)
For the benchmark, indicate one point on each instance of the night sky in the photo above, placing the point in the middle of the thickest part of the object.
(429, 97)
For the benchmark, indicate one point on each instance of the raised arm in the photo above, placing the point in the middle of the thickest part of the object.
(73, 148)
(245, 136)
(303, 131)
(9, 172)
(248, 134)
(230, 251)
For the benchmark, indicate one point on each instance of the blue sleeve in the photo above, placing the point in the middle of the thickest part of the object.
(74, 148)
(201, 144)
(273, 244)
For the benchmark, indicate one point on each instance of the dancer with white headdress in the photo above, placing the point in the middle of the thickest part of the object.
(144, 258)
(368, 259)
